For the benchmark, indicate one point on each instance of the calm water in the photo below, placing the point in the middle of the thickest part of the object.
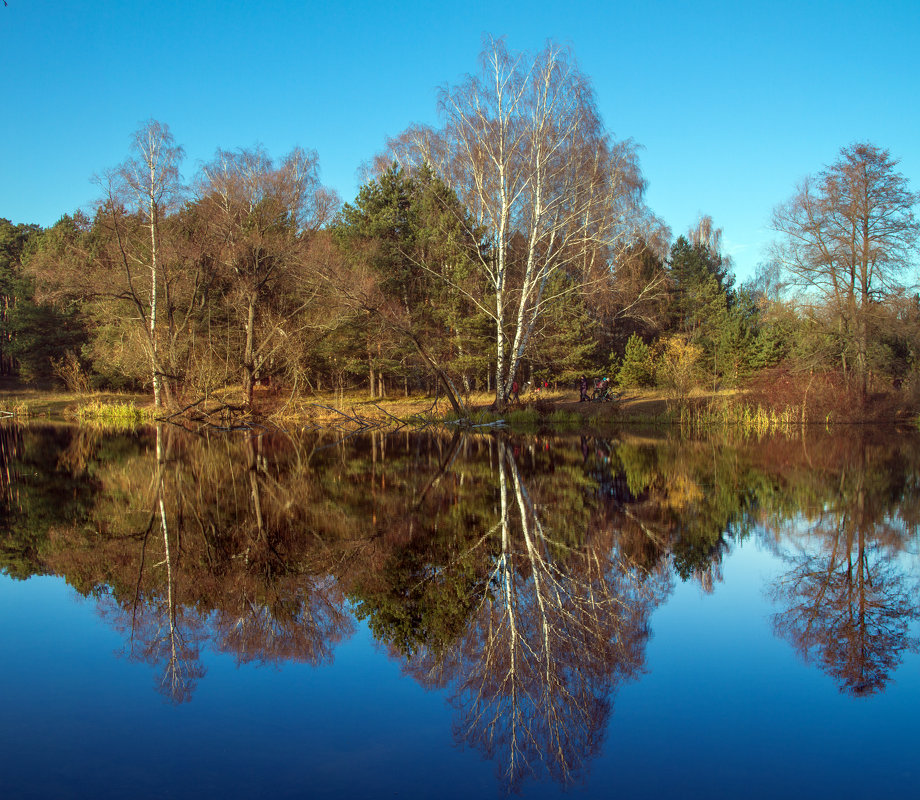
(413, 616)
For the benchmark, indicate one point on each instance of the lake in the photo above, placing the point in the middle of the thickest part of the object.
(413, 614)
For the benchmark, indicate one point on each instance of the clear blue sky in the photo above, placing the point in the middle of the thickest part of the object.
(733, 103)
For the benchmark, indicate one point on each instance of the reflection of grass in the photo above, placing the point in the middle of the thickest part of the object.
(565, 420)
(118, 416)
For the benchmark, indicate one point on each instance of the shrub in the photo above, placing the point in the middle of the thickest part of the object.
(677, 368)
(69, 370)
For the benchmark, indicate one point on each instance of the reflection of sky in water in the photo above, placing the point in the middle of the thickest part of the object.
(729, 710)
(724, 709)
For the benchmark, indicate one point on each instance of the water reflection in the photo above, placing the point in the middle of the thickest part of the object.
(848, 600)
(555, 625)
(517, 576)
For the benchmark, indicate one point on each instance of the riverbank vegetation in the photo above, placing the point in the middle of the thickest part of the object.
(507, 248)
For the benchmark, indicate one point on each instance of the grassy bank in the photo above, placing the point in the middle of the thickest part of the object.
(26, 402)
(549, 410)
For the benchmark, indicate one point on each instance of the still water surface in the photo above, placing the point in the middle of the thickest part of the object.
(416, 615)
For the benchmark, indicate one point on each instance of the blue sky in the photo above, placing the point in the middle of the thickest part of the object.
(733, 103)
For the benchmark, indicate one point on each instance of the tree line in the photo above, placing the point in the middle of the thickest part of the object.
(509, 243)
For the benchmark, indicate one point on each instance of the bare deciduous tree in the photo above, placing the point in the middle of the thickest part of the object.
(849, 242)
(146, 186)
(263, 216)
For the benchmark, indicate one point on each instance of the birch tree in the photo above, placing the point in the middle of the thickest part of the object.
(523, 146)
(148, 186)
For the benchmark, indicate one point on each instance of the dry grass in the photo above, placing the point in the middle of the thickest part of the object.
(30, 402)
(332, 408)
(551, 407)
(548, 407)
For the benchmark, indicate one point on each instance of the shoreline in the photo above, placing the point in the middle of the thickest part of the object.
(555, 410)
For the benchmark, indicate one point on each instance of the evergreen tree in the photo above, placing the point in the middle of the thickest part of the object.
(638, 366)
(34, 334)
(701, 284)
(408, 231)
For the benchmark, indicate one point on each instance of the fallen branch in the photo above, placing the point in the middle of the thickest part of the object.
(402, 422)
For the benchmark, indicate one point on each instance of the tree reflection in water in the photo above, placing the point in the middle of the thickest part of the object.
(849, 609)
(516, 575)
(216, 559)
(160, 630)
(849, 601)
(278, 609)
(557, 628)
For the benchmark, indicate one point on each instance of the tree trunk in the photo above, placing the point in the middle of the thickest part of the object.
(249, 353)
(154, 359)
(452, 397)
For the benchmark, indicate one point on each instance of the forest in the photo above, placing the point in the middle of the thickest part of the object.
(510, 243)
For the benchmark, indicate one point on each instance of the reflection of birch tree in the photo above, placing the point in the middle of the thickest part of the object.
(249, 580)
(156, 629)
(848, 604)
(162, 633)
(557, 630)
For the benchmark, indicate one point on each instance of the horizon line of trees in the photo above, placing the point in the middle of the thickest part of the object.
(511, 243)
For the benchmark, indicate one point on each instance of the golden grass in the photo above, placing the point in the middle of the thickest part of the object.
(333, 408)
(116, 416)
(547, 409)
(28, 402)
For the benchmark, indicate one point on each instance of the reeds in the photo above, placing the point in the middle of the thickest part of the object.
(15, 410)
(752, 421)
(117, 416)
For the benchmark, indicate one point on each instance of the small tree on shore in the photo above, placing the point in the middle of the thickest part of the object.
(678, 367)
(638, 366)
